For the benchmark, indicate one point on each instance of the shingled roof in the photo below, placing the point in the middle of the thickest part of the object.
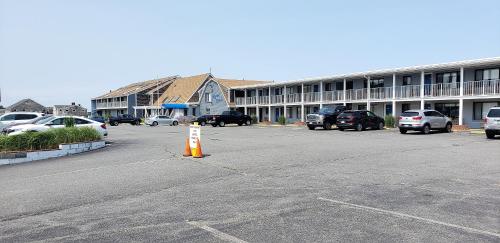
(138, 87)
(226, 84)
(28, 105)
(182, 89)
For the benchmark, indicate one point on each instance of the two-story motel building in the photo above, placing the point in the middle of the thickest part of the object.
(463, 90)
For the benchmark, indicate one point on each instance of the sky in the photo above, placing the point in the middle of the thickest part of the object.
(58, 52)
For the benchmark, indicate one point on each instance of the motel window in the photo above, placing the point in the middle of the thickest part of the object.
(452, 77)
(350, 85)
(377, 83)
(208, 97)
(316, 88)
(405, 107)
(480, 109)
(487, 74)
(328, 87)
(339, 85)
(407, 80)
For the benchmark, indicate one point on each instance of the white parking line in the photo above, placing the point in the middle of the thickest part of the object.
(221, 235)
(403, 215)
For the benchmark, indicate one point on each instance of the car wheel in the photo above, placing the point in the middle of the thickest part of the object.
(248, 123)
(341, 129)
(360, 127)
(214, 125)
(203, 123)
(490, 135)
(426, 129)
(222, 124)
(240, 124)
(155, 124)
(115, 123)
(448, 127)
(381, 126)
(175, 123)
(137, 123)
(311, 127)
(327, 126)
(403, 131)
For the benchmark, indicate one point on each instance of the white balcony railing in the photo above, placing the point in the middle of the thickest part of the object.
(293, 98)
(277, 99)
(312, 97)
(251, 100)
(240, 101)
(408, 91)
(263, 100)
(443, 89)
(482, 88)
(329, 96)
(356, 94)
(112, 104)
(381, 93)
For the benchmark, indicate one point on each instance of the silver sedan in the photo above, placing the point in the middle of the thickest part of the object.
(161, 120)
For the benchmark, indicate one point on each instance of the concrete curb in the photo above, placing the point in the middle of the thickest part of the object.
(64, 150)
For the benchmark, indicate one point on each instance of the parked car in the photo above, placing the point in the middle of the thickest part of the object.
(126, 118)
(325, 118)
(228, 117)
(98, 119)
(57, 122)
(18, 117)
(492, 122)
(359, 120)
(33, 121)
(202, 120)
(424, 121)
(161, 120)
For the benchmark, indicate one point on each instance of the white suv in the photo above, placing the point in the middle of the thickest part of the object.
(18, 117)
(424, 121)
(492, 122)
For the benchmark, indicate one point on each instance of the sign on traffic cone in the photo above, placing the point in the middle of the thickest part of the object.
(187, 149)
(197, 151)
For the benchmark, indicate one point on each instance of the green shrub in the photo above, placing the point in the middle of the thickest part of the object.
(282, 120)
(390, 121)
(254, 119)
(69, 122)
(50, 139)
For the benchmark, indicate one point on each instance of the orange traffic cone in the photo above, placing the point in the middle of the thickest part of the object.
(197, 151)
(187, 149)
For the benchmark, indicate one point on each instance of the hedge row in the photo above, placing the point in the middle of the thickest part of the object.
(50, 139)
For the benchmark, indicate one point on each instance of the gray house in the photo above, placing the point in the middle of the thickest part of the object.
(215, 96)
(28, 105)
(70, 110)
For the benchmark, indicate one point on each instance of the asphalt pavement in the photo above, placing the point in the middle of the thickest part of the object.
(260, 184)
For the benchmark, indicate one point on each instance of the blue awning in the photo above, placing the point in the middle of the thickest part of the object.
(174, 106)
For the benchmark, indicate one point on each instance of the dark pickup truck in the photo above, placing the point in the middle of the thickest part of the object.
(325, 118)
(228, 117)
(114, 121)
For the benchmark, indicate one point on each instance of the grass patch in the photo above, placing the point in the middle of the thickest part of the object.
(50, 139)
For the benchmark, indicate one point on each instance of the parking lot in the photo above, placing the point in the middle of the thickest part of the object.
(260, 184)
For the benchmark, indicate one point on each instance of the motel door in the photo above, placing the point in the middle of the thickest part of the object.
(427, 83)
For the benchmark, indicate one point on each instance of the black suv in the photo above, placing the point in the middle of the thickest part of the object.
(228, 117)
(325, 118)
(114, 121)
(359, 120)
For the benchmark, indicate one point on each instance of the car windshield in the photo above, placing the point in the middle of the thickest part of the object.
(43, 120)
(494, 113)
(409, 114)
(347, 114)
(326, 111)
